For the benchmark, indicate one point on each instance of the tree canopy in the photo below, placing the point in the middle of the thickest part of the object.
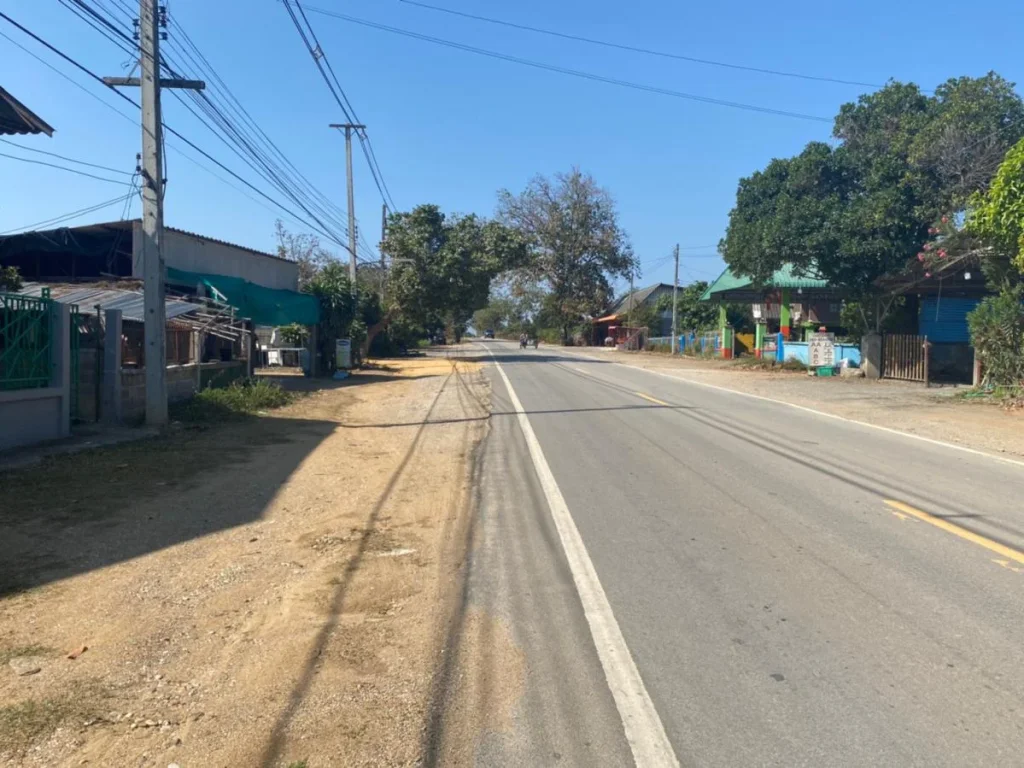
(692, 314)
(443, 265)
(576, 244)
(997, 217)
(861, 210)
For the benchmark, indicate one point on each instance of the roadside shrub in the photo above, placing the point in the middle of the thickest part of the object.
(997, 332)
(240, 399)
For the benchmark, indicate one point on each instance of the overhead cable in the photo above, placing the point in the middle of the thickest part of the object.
(171, 130)
(571, 72)
(638, 49)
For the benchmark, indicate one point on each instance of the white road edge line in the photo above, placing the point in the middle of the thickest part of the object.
(644, 729)
(890, 430)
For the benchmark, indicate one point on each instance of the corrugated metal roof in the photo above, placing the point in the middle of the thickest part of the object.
(640, 295)
(16, 118)
(786, 277)
(126, 225)
(131, 303)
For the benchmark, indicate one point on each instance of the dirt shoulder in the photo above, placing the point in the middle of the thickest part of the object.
(934, 412)
(254, 594)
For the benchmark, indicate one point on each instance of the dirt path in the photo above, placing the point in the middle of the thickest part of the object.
(255, 594)
(932, 412)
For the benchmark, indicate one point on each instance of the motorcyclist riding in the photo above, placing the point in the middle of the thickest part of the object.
(522, 341)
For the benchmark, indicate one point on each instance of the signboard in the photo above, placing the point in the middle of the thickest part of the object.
(343, 354)
(821, 350)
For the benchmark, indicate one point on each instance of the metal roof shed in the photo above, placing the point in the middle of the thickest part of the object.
(16, 118)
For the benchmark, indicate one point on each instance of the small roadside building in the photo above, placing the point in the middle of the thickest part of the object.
(616, 317)
(933, 311)
(217, 293)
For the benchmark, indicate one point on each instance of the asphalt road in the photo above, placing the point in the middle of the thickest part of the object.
(794, 590)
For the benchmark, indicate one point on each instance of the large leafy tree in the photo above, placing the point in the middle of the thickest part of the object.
(860, 211)
(997, 217)
(692, 314)
(442, 266)
(344, 313)
(577, 246)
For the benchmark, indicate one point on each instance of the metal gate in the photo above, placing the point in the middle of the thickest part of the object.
(26, 333)
(905, 357)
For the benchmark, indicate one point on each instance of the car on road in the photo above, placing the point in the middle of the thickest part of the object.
(488, 334)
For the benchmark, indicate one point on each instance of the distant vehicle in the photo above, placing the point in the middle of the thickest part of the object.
(488, 334)
(440, 339)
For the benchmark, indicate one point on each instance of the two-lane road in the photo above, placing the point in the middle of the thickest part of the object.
(793, 590)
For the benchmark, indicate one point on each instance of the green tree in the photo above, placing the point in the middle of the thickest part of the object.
(997, 332)
(859, 212)
(692, 314)
(305, 250)
(577, 246)
(10, 279)
(997, 216)
(442, 266)
(294, 334)
(343, 313)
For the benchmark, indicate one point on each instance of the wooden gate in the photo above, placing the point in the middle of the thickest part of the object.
(905, 357)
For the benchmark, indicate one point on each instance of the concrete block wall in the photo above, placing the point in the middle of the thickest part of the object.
(181, 384)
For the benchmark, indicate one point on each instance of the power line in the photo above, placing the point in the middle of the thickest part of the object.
(229, 134)
(65, 168)
(277, 209)
(637, 49)
(67, 216)
(68, 159)
(571, 72)
(191, 144)
(239, 109)
(312, 43)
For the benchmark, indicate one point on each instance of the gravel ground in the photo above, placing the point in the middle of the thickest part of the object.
(934, 412)
(253, 594)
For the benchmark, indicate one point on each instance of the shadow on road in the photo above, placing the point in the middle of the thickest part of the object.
(553, 411)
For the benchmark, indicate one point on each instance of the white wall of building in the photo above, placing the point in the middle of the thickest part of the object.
(193, 253)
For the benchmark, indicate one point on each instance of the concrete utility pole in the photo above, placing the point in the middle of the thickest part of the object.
(349, 127)
(383, 263)
(151, 21)
(629, 312)
(675, 292)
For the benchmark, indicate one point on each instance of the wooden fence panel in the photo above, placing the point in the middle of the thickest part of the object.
(905, 357)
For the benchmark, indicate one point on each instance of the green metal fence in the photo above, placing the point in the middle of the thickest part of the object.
(26, 335)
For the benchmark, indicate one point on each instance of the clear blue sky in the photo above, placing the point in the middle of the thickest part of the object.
(452, 128)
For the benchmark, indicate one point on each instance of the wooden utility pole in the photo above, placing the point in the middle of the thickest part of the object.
(151, 21)
(349, 127)
(675, 293)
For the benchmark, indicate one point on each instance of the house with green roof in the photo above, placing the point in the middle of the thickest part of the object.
(786, 299)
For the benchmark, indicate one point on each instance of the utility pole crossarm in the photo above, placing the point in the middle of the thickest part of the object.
(165, 82)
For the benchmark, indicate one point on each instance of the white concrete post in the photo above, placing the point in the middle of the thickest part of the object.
(60, 349)
(112, 403)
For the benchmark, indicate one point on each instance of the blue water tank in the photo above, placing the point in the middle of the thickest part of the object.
(945, 320)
